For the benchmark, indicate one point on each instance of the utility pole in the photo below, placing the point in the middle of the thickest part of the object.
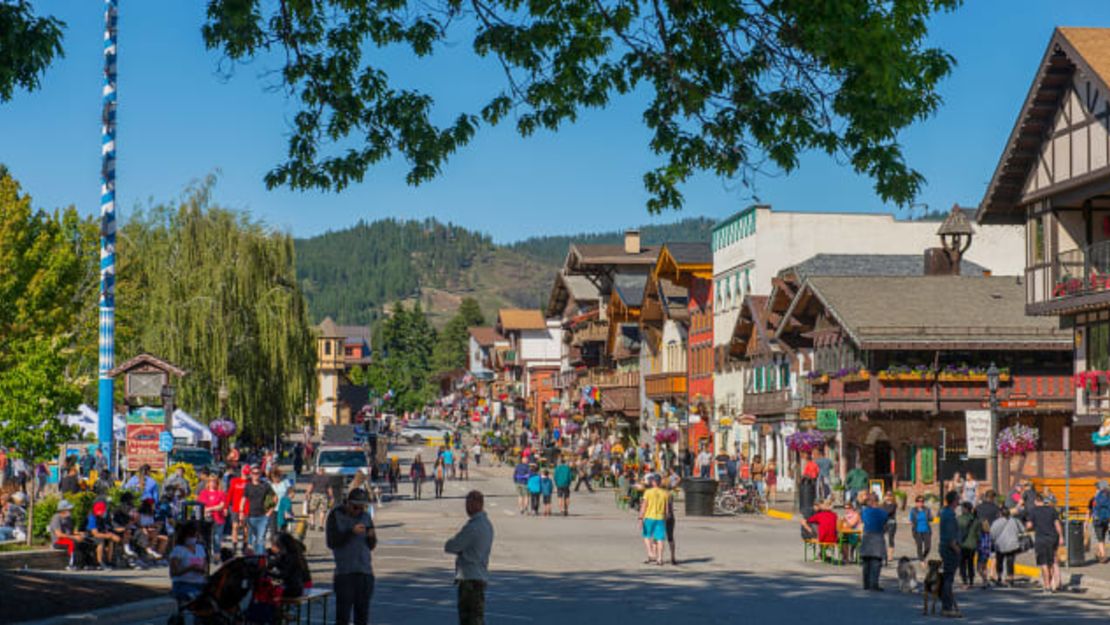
(107, 304)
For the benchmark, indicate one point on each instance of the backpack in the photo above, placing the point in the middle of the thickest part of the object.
(969, 536)
(1102, 506)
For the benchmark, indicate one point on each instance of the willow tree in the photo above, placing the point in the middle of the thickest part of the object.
(216, 293)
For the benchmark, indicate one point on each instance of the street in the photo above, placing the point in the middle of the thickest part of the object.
(587, 568)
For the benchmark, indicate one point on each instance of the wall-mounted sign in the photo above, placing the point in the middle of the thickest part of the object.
(145, 426)
(809, 413)
(827, 419)
(978, 424)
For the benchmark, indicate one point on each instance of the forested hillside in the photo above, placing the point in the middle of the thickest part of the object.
(355, 273)
(553, 249)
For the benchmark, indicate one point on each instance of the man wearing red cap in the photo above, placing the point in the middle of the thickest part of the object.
(235, 502)
(100, 528)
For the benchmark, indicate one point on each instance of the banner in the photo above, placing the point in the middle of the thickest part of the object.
(978, 433)
(144, 426)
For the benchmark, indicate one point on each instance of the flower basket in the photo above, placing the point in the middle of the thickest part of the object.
(805, 441)
(863, 375)
(222, 428)
(1017, 440)
(923, 376)
(666, 435)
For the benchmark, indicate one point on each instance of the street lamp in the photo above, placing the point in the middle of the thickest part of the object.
(992, 385)
(168, 393)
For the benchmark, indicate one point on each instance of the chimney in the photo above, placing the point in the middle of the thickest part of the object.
(631, 241)
(939, 263)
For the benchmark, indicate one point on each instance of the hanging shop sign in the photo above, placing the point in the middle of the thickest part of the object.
(978, 425)
(827, 419)
(145, 426)
(809, 413)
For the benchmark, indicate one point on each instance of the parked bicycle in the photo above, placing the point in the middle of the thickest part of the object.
(743, 498)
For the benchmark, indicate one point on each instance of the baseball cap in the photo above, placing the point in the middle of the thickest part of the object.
(99, 508)
(64, 505)
(358, 496)
(246, 470)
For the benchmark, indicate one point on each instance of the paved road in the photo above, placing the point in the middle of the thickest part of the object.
(586, 568)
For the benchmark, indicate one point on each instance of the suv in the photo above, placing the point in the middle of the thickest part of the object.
(342, 460)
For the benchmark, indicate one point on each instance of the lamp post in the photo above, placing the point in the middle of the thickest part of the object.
(168, 393)
(992, 386)
(221, 395)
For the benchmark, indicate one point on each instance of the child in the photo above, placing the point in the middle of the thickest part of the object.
(546, 488)
(535, 487)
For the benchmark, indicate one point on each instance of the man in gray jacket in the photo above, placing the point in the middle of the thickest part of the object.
(471, 547)
(350, 536)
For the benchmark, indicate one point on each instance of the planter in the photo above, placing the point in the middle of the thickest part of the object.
(862, 376)
(927, 376)
(970, 378)
(820, 380)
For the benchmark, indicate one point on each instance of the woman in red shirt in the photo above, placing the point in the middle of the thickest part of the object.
(215, 510)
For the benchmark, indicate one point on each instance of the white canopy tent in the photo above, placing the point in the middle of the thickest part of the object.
(185, 427)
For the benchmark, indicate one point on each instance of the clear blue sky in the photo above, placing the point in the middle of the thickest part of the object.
(180, 119)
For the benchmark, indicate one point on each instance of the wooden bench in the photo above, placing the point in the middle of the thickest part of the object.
(290, 610)
(818, 550)
(1080, 491)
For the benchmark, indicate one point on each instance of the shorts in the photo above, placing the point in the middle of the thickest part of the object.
(1101, 528)
(564, 491)
(317, 501)
(546, 499)
(233, 518)
(670, 529)
(521, 490)
(1046, 552)
(655, 529)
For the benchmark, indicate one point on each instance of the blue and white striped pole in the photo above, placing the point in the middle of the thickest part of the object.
(107, 331)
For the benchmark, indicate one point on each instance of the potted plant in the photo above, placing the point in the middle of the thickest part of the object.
(1017, 440)
(817, 378)
(900, 496)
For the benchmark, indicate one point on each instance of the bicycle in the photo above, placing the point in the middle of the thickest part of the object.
(740, 499)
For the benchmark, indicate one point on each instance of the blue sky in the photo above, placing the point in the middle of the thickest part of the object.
(181, 118)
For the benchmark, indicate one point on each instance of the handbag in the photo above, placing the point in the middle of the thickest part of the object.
(1025, 541)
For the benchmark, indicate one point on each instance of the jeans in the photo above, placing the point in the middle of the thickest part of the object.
(217, 539)
(256, 526)
(416, 484)
(472, 602)
(967, 566)
(6, 533)
(439, 488)
(950, 562)
(924, 541)
(352, 593)
(871, 569)
(534, 499)
(1005, 561)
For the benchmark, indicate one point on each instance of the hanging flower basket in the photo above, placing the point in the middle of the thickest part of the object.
(817, 378)
(572, 428)
(1017, 439)
(222, 428)
(805, 440)
(666, 435)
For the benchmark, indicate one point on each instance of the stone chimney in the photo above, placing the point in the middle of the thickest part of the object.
(631, 241)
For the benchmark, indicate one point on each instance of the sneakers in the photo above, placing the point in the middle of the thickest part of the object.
(70, 567)
(129, 551)
(952, 614)
(154, 554)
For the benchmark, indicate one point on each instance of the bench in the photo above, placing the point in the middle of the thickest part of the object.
(819, 551)
(1080, 492)
(291, 609)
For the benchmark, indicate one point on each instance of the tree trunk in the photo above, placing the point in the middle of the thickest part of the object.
(31, 517)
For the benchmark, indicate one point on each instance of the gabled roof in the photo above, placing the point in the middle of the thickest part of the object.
(1069, 50)
(569, 288)
(485, 336)
(328, 329)
(935, 312)
(147, 361)
(355, 333)
(520, 319)
(869, 265)
(751, 324)
(630, 288)
(681, 262)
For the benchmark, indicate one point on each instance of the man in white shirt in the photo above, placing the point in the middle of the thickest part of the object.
(471, 547)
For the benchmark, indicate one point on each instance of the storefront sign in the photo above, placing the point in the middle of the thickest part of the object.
(144, 428)
(809, 413)
(827, 419)
(978, 424)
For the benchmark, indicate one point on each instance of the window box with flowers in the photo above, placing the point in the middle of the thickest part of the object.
(818, 378)
(861, 375)
(970, 375)
(905, 373)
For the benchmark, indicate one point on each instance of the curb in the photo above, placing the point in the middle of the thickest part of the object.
(779, 514)
(158, 608)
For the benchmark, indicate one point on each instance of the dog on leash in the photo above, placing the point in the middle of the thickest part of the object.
(934, 579)
(907, 575)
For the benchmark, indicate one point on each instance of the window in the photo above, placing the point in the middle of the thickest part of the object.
(1038, 239)
(1098, 346)
(327, 348)
(784, 374)
(907, 468)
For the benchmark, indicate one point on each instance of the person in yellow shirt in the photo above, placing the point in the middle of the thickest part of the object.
(653, 514)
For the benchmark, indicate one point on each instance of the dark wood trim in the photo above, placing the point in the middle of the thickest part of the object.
(1069, 305)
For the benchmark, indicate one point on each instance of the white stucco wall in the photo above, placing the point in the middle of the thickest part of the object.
(542, 347)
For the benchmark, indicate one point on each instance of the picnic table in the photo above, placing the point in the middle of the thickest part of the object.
(292, 609)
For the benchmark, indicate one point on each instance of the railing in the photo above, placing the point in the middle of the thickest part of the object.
(1082, 271)
(614, 379)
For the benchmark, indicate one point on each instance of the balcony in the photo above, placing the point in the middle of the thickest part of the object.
(591, 332)
(767, 403)
(614, 379)
(1075, 279)
(1046, 392)
(665, 385)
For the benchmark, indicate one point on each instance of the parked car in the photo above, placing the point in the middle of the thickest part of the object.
(417, 434)
(198, 457)
(342, 460)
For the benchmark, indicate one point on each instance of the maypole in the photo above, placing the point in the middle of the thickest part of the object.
(107, 330)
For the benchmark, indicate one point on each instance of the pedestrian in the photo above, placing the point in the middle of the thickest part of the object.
(464, 464)
(824, 475)
(142, 482)
(1044, 522)
(214, 500)
(583, 475)
(704, 463)
(520, 482)
(563, 477)
(891, 509)
(771, 478)
(471, 546)
(4, 464)
(298, 459)
(417, 475)
(970, 490)
(350, 536)
(1099, 516)
(969, 543)
(283, 511)
(854, 483)
(63, 534)
(449, 462)
(986, 513)
(394, 474)
(949, 553)
(547, 487)
(872, 546)
(100, 463)
(653, 520)
(1005, 534)
(187, 563)
(256, 507)
(236, 487)
(921, 527)
(476, 452)
(320, 497)
(535, 487)
(670, 520)
(439, 473)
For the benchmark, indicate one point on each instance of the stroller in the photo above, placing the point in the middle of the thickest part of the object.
(221, 602)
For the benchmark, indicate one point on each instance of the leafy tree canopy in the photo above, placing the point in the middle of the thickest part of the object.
(453, 344)
(735, 86)
(34, 390)
(28, 44)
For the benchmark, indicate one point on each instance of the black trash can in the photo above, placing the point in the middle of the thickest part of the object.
(1076, 554)
(700, 496)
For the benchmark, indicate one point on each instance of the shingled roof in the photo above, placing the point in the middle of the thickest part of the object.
(870, 265)
(927, 312)
(630, 288)
(485, 336)
(521, 319)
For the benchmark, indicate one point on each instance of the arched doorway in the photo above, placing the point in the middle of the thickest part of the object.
(882, 465)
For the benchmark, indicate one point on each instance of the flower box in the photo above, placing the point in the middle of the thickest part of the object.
(915, 376)
(821, 380)
(863, 375)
